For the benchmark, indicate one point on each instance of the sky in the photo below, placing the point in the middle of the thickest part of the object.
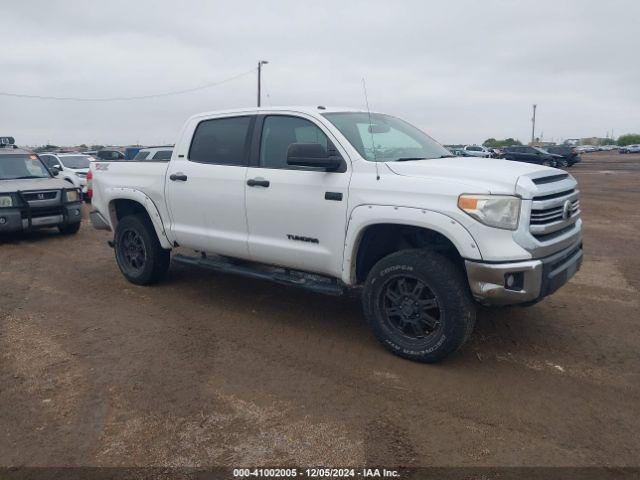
(461, 70)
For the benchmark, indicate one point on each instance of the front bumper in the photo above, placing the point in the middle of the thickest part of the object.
(522, 282)
(23, 219)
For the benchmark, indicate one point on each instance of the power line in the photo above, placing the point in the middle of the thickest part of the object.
(121, 99)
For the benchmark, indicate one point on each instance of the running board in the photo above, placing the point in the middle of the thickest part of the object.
(308, 281)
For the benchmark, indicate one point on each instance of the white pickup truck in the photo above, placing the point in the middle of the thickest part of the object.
(331, 199)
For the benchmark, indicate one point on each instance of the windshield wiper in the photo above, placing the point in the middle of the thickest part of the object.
(408, 159)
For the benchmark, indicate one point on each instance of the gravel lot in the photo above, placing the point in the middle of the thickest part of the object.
(210, 369)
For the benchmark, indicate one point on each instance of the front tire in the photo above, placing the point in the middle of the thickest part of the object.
(418, 305)
(139, 255)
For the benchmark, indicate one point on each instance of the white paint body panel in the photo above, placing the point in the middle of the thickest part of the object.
(215, 211)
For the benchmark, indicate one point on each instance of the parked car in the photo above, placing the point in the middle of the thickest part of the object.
(525, 153)
(71, 167)
(459, 152)
(334, 199)
(569, 154)
(477, 151)
(586, 148)
(131, 152)
(110, 154)
(496, 152)
(630, 149)
(30, 195)
(154, 153)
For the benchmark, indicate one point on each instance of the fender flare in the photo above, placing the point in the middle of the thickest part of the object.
(365, 216)
(122, 193)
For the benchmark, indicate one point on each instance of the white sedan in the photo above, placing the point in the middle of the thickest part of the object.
(477, 151)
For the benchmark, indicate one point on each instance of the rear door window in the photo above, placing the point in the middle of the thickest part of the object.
(141, 155)
(222, 141)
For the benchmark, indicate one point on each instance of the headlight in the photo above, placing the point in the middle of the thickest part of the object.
(6, 201)
(72, 195)
(499, 211)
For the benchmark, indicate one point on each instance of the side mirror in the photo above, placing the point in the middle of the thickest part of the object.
(313, 155)
(54, 171)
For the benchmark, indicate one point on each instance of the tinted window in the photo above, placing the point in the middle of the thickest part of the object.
(279, 131)
(162, 155)
(221, 141)
(141, 156)
(474, 149)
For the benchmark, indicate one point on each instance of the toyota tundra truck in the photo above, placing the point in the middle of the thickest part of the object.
(337, 199)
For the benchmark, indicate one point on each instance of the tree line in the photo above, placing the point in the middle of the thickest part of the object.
(623, 140)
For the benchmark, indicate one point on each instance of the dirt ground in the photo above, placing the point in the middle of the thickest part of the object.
(210, 369)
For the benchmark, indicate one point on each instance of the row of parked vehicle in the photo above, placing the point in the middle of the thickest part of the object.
(162, 152)
(630, 149)
(73, 167)
(559, 156)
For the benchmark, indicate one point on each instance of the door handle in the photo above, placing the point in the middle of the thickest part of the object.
(178, 177)
(258, 182)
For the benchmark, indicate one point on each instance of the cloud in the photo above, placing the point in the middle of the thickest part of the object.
(461, 70)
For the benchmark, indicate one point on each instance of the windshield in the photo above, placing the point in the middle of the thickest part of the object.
(383, 138)
(17, 166)
(75, 161)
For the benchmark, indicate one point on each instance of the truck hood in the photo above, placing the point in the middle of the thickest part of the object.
(12, 186)
(484, 174)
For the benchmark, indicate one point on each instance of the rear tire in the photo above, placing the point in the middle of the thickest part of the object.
(139, 255)
(70, 229)
(418, 305)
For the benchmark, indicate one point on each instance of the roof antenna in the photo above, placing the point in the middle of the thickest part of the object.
(373, 146)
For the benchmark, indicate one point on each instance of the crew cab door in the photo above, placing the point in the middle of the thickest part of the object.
(205, 185)
(296, 215)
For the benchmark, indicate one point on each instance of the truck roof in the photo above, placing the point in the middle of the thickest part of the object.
(311, 110)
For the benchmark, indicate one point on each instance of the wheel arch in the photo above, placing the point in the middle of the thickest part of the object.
(131, 202)
(375, 231)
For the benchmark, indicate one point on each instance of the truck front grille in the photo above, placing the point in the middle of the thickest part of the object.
(553, 214)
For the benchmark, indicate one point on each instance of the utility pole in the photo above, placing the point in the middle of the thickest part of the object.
(533, 125)
(260, 63)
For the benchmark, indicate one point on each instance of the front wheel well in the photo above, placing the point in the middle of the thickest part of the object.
(380, 240)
